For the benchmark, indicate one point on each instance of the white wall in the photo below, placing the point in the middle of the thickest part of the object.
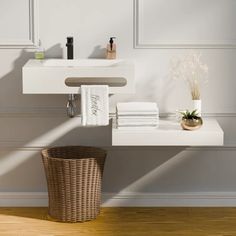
(132, 175)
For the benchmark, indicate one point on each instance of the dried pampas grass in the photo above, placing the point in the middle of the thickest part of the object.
(191, 70)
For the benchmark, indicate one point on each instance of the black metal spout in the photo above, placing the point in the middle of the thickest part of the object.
(70, 48)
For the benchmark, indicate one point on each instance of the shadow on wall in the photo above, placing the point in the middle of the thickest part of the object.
(139, 170)
(55, 51)
(127, 169)
(98, 52)
(11, 85)
(15, 163)
(20, 167)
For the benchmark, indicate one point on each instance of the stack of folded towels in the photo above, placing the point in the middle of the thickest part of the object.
(137, 115)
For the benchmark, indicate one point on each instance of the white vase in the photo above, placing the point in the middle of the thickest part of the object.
(197, 105)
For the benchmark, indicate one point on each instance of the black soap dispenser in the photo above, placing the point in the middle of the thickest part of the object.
(111, 49)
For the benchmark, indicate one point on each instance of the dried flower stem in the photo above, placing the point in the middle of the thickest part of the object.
(192, 70)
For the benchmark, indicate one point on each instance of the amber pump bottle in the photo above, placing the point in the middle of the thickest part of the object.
(111, 49)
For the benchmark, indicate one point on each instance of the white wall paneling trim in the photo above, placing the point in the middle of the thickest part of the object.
(219, 199)
(196, 199)
(19, 146)
(61, 112)
(23, 199)
(32, 40)
(142, 39)
(33, 112)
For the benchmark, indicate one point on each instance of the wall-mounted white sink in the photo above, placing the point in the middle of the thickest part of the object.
(59, 76)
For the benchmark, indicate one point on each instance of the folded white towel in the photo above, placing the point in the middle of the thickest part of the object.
(95, 105)
(137, 113)
(129, 121)
(137, 127)
(137, 118)
(136, 107)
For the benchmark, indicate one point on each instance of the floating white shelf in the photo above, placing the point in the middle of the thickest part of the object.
(170, 133)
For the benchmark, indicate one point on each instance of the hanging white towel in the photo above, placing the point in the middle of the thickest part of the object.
(95, 105)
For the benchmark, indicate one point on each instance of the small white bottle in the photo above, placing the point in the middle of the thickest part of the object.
(40, 52)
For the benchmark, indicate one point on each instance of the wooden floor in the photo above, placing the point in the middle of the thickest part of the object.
(122, 222)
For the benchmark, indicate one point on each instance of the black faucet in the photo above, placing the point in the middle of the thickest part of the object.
(70, 48)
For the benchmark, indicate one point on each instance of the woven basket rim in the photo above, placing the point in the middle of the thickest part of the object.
(70, 159)
(74, 146)
(44, 152)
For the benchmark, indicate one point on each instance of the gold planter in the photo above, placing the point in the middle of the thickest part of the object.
(191, 124)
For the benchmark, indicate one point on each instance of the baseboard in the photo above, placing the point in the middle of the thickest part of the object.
(23, 199)
(212, 199)
(219, 199)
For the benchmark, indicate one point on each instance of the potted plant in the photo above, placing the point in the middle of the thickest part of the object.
(191, 120)
(194, 73)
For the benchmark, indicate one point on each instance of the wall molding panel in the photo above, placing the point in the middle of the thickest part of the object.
(147, 30)
(20, 145)
(31, 40)
(216, 199)
(17, 112)
(61, 112)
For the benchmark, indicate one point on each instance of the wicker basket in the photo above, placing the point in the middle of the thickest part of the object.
(74, 176)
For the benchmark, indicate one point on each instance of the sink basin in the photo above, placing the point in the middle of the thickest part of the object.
(81, 62)
(59, 76)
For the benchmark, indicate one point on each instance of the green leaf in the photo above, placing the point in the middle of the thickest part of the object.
(190, 115)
